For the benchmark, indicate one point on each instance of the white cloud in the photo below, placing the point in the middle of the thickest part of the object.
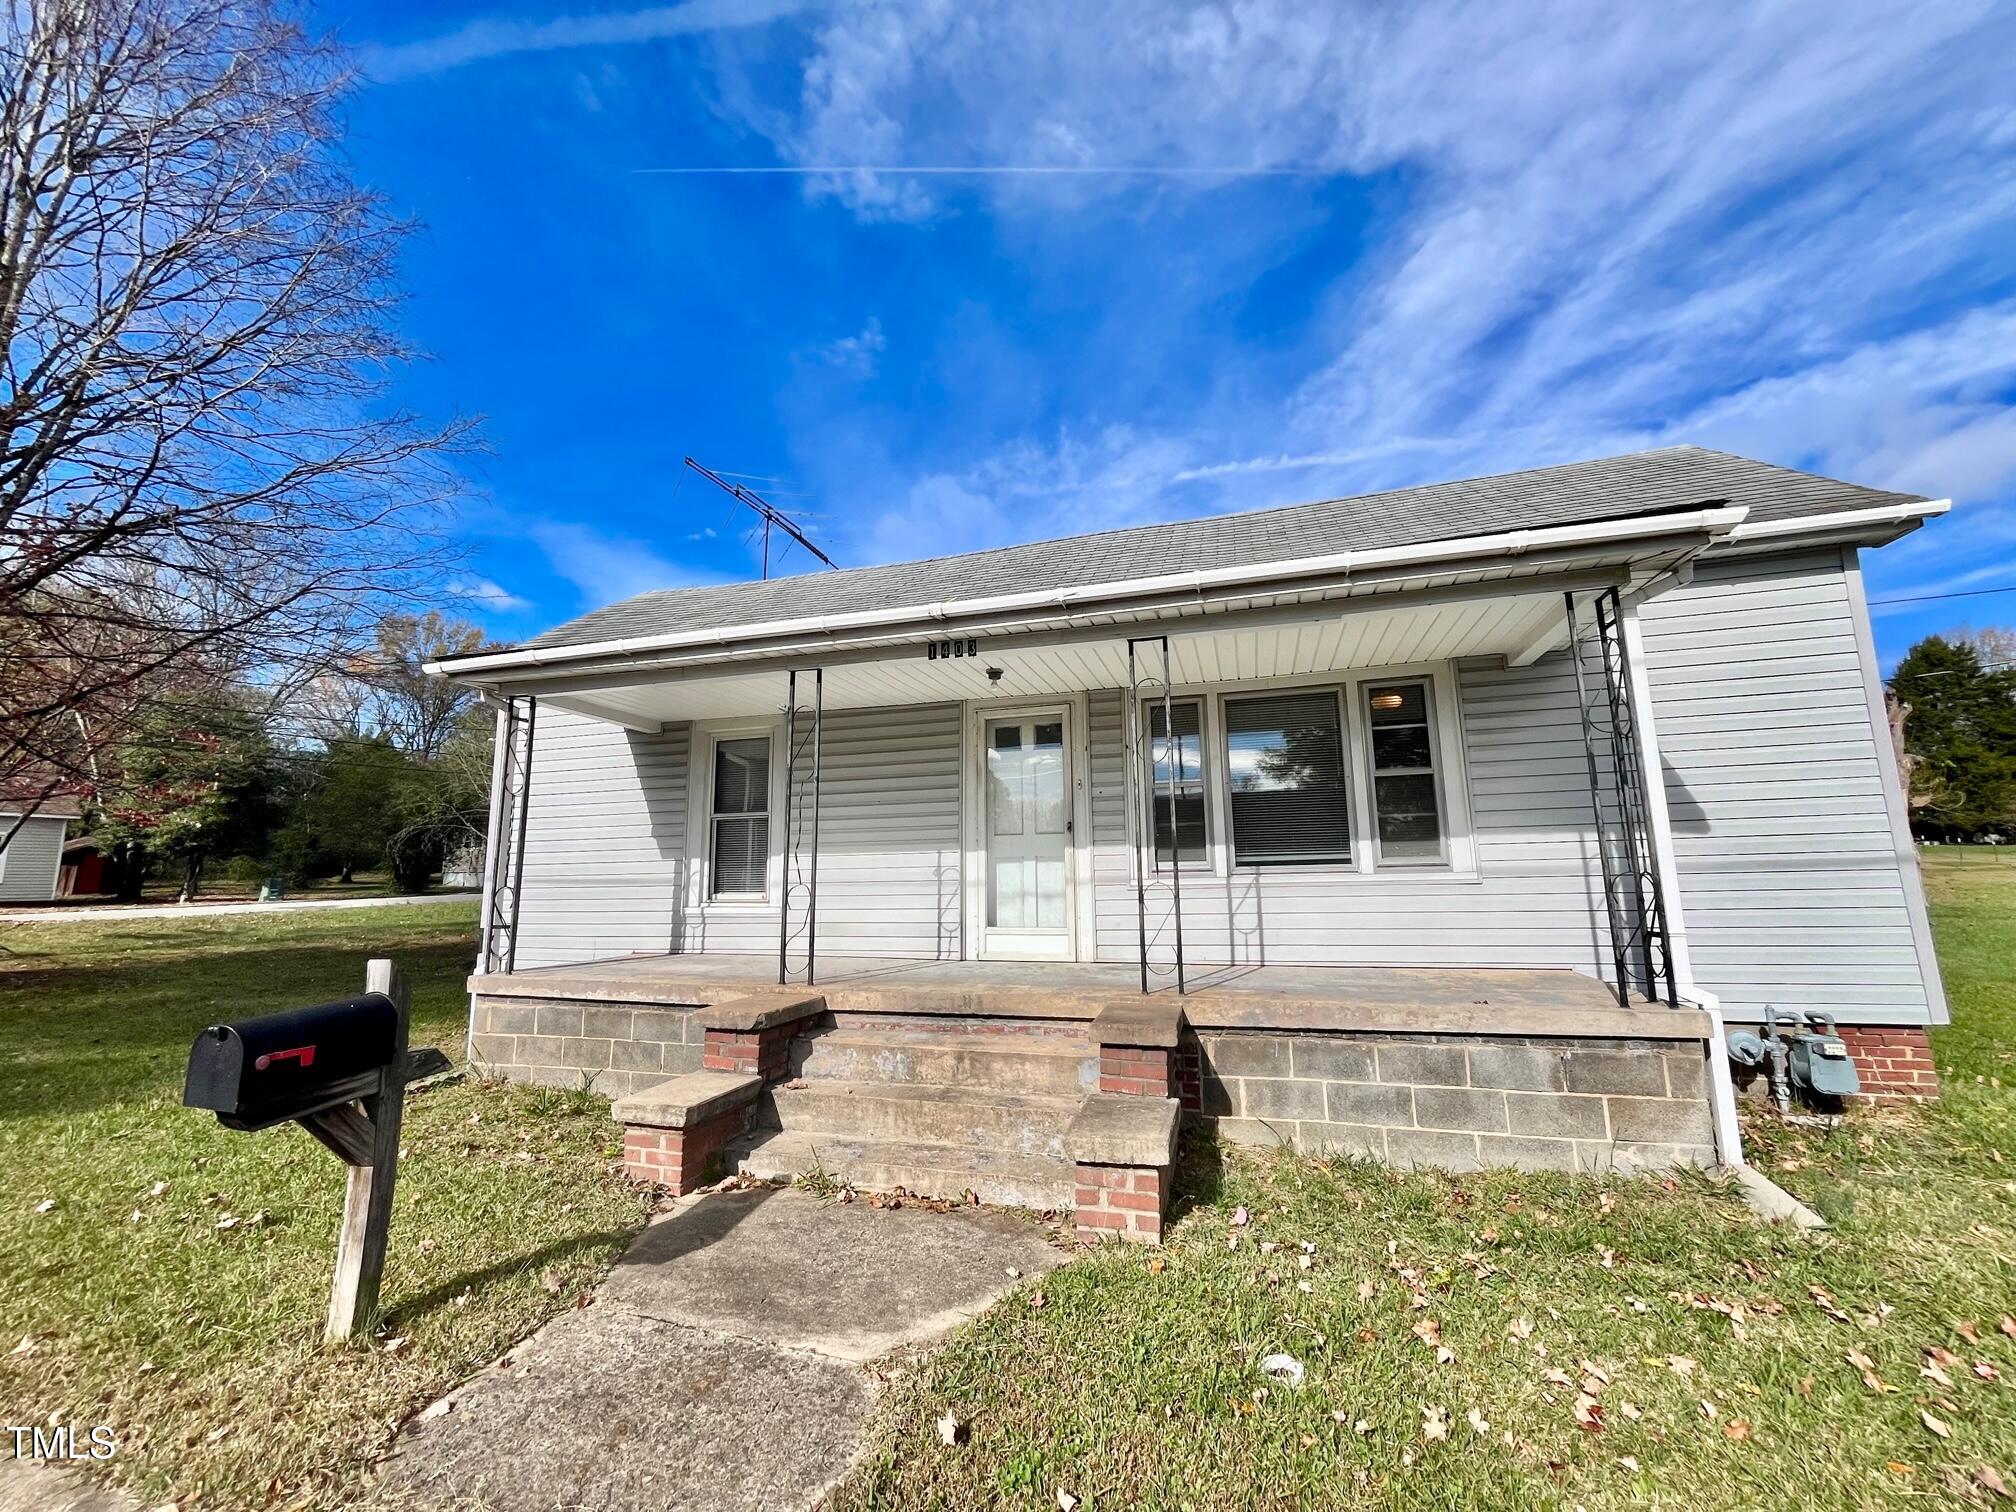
(495, 38)
(606, 568)
(857, 355)
(491, 596)
(1746, 226)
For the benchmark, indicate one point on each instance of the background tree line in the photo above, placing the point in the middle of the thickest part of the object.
(375, 766)
(1955, 695)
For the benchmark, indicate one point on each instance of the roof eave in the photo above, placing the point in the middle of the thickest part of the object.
(1717, 523)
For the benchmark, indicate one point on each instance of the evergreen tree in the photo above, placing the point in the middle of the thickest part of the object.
(1962, 730)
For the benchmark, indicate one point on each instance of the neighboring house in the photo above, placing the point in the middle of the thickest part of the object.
(1402, 849)
(31, 865)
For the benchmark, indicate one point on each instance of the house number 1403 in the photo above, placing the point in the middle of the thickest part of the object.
(940, 650)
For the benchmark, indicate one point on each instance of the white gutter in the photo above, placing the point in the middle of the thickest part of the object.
(1847, 519)
(1718, 522)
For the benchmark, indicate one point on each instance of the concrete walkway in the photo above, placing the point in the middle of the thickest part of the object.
(114, 913)
(721, 1365)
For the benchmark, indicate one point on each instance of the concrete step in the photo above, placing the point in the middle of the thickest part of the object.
(929, 1170)
(1044, 1065)
(1019, 1123)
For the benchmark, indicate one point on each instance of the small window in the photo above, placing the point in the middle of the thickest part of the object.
(741, 854)
(1178, 782)
(1284, 764)
(1406, 802)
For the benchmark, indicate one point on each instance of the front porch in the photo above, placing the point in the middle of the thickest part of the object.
(947, 1078)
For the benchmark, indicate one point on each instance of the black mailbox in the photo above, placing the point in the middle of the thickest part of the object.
(264, 1071)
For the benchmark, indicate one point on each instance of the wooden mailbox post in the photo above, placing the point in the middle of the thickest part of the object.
(341, 1071)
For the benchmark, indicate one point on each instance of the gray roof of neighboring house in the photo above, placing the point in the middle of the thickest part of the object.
(1652, 482)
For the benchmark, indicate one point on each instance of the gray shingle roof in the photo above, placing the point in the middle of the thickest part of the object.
(1610, 488)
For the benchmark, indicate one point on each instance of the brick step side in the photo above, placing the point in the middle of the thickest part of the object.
(1044, 1066)
(923, 1113)
(929, 1170)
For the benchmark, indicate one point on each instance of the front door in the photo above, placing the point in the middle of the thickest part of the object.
(1026, 805)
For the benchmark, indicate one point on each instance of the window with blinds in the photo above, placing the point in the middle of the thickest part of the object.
(1178, 782)
(1284, 762)
(1406, 805)
(741, 819)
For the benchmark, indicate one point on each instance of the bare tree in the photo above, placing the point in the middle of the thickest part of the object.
(198, 475)
(381, 691)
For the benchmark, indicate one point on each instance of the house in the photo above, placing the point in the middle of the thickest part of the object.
(32, 863)
(1449, 825)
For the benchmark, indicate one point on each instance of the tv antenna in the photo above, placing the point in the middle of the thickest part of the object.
(770, 514)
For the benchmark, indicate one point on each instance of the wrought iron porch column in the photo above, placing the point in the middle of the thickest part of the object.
(1631, 871)
(504, 843)
(793, 818)
(1144, 855)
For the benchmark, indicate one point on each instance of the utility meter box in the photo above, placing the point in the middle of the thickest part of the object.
(1821, 1063)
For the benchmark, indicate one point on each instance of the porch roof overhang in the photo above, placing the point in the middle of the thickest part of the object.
(1499, 595)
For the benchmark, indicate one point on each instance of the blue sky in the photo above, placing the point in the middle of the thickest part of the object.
(1273, 252)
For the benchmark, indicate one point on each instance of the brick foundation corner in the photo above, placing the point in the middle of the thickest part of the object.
(1121, 1202)
(765, 1053)
(1138, 1071)
(1894, 1061)
(681, 1160)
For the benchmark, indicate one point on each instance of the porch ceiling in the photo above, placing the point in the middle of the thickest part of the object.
(1517, 622)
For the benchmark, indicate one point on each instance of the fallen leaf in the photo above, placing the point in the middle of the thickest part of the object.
(1476, 1421)
(1157, 1266)
(1519, 1328)
(1428, 1331)
(550, 1280)
(1240, 1218)
(1066, 1502)
(1737, 1429)
(1037, 1301)
(2007, 1326)
(1708, 1409)
(1867, 1366)
(1588, 1412)
(1367, 1290)
(1986, 1478)
(950, 1430)
(1986, 1371)
(440, 1409)
(1967, 1331)
(1434, 1423)
(1629, 1463)
(1934, 1424)
(1680, 1365)
(47, 1204)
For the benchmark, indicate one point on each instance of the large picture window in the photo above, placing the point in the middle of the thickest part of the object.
(1406, 803)
(741, 818)
(1284, 767)
(1178, 783)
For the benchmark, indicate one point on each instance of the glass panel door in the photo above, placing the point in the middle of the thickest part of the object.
(1027, 805)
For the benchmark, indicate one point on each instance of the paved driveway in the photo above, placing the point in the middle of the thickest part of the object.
(720, 1365)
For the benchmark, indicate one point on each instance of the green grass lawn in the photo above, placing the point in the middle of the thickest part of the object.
(136, 1304)
(1716, 1361)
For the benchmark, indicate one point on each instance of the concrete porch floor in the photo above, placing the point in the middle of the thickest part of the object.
(1406, 1000)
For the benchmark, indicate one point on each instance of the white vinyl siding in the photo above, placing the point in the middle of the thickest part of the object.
(32, 860)
(608, 842)
(1796, 890)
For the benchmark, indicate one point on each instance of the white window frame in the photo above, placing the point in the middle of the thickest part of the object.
(1436, 746)
(1458, 862)
(1207, 716)
(701, 816)
(1338, 694)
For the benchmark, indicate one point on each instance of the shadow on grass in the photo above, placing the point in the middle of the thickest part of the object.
(1200, 1173)
(406, 1311)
